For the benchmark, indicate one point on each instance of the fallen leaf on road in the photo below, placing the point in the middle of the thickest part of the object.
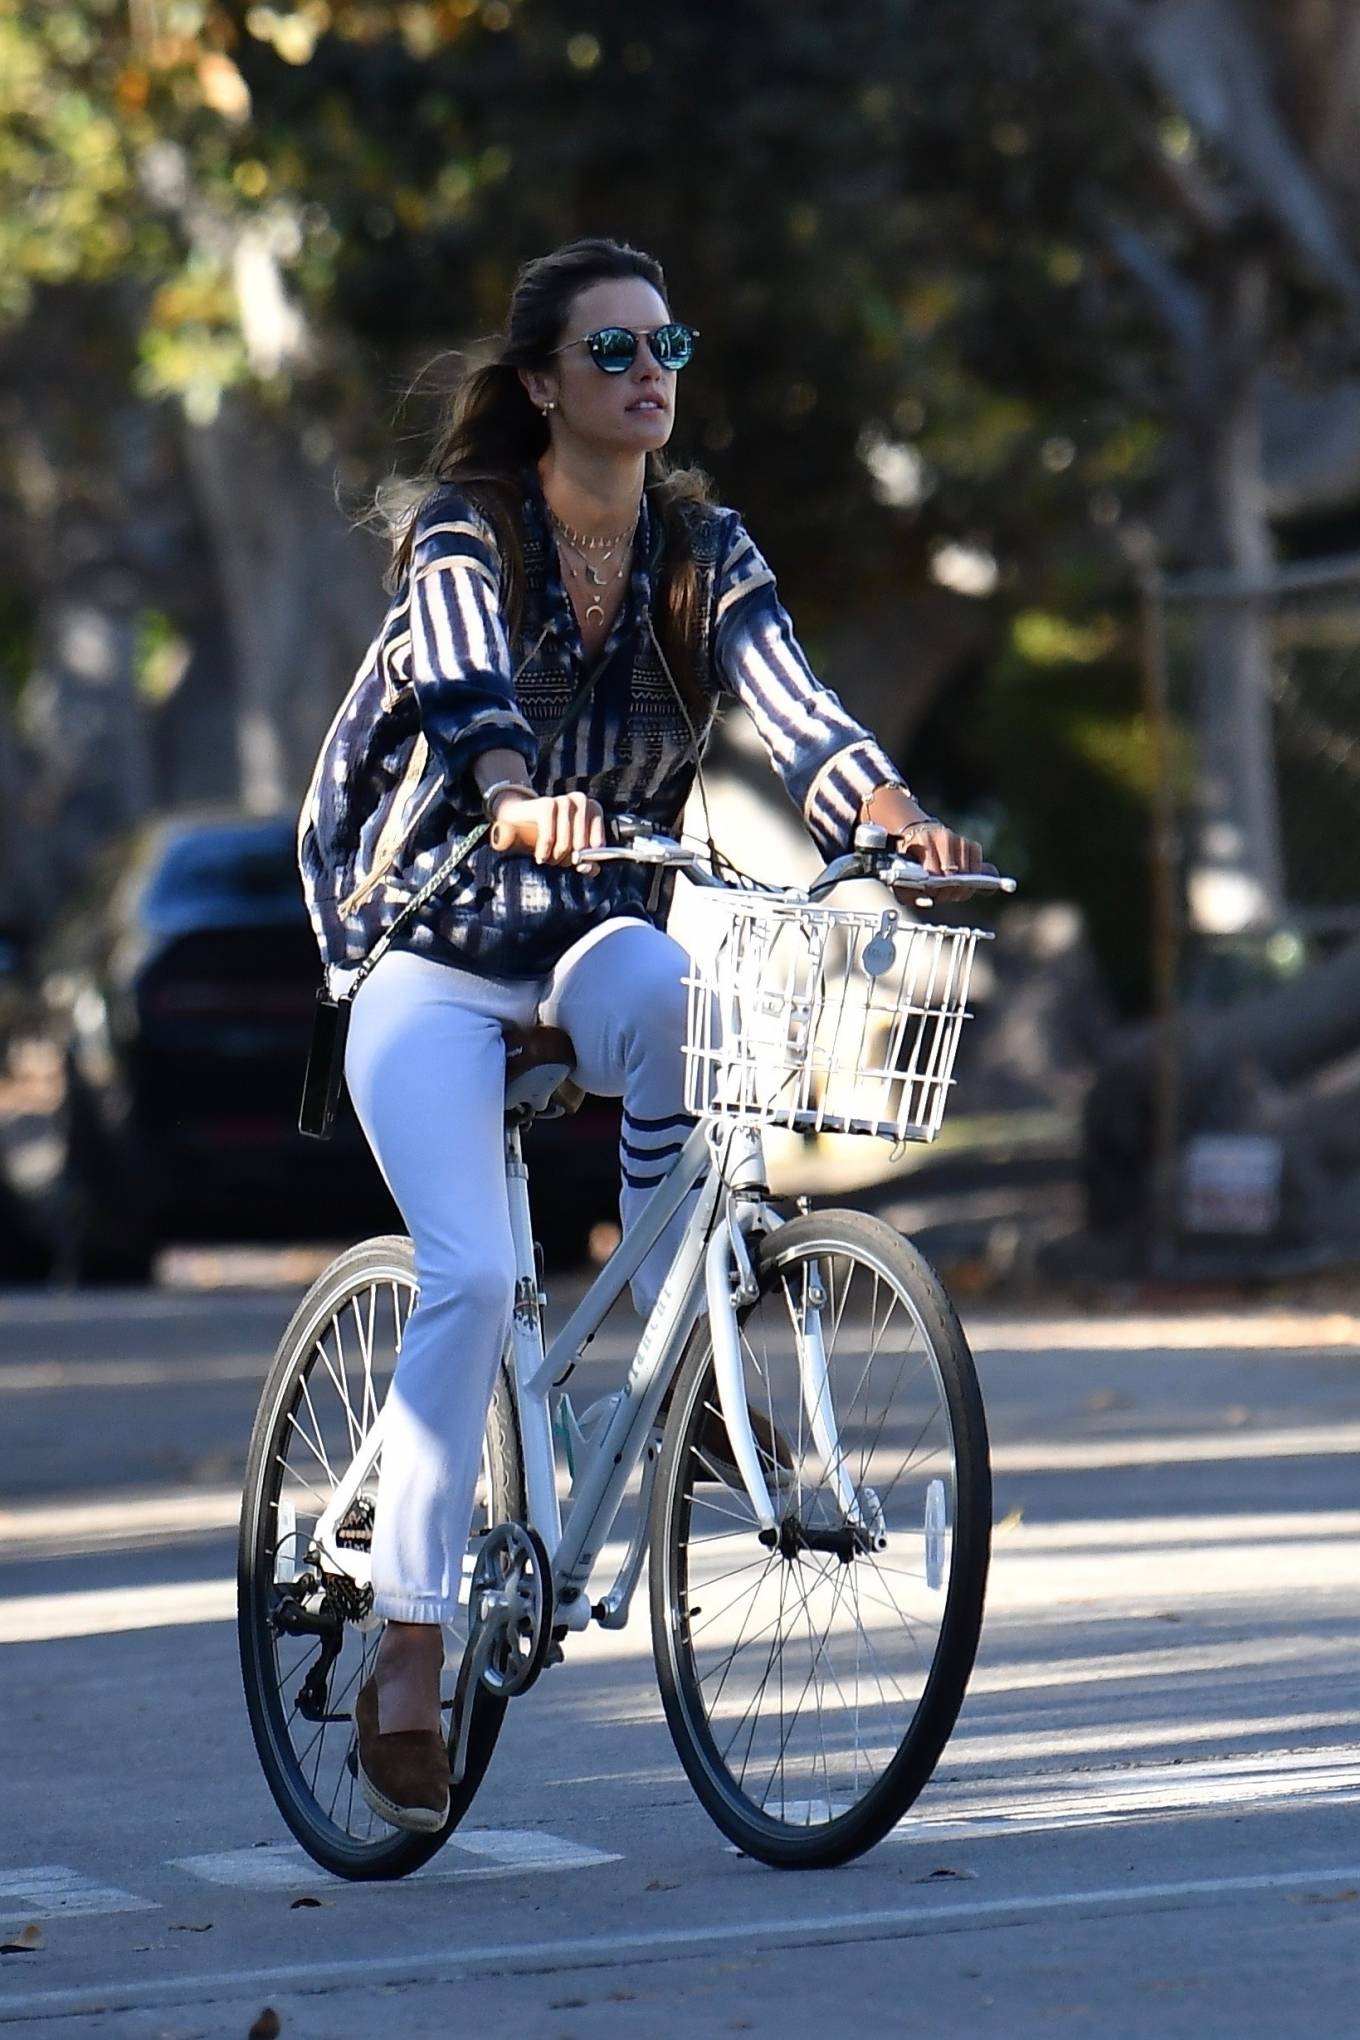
(1012, 1519)
(193, 1927)
(567, 2004)
(942, 1874)
(1328, 1898)
(27, 1941)
(267, 2027)
(661, 1884)
(306, 1900)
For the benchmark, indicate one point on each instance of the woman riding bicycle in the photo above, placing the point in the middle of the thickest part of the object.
(566, 612)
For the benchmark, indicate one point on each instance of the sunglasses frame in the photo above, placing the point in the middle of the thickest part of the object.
(637, 335)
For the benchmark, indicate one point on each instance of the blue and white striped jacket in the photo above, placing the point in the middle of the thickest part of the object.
(441, 684)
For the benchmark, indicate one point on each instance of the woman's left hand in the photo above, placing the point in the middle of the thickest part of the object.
(938, 849)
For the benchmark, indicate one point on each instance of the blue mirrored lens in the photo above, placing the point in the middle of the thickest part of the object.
(613, 349)
(672, 345)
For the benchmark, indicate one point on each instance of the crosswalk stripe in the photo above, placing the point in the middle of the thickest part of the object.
(495, 1852)
(49, 1891)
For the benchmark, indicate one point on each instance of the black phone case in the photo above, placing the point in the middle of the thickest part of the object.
(325, 1067)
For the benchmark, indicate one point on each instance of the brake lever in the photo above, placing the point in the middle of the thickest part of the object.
(905, 875)
(643, 851)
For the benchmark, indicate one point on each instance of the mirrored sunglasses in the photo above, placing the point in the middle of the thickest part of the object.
(614, 348)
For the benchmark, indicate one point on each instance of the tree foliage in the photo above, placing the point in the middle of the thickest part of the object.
(868, 209)
(955, 264)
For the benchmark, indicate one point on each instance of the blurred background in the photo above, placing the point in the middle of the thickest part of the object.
(1031, 352)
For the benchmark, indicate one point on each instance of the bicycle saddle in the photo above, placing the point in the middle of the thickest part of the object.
(539, 1062)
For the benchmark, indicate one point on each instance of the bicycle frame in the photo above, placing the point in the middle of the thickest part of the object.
(711, 1269)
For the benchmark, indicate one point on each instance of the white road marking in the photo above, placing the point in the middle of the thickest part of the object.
(49, 1891)
(279, 1866)
(587, 1951)
(527, 1849)
(500, 1852)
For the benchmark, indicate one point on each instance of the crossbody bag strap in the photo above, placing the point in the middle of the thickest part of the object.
(461, 850)
(330, 1025)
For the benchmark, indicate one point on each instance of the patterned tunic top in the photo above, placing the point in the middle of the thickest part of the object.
(441, 684)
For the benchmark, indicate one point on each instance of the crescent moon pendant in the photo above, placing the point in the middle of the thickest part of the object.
(594, 614)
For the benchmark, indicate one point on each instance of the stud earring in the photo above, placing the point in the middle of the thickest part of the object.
(545, 408)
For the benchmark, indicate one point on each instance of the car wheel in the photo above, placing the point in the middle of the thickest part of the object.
(103, 1230)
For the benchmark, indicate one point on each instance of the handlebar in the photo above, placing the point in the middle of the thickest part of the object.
(872, 857)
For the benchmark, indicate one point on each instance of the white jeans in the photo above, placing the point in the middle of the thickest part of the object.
(425, 1064)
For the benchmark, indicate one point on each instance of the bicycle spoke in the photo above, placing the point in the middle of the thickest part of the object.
(838, 1591)
(811, 1684)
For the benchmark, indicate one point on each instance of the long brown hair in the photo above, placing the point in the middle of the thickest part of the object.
(493, 432)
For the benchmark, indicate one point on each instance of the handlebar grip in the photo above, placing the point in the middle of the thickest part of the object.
(515, 835)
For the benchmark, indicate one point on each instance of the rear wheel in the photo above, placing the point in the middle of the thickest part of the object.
(307, 1637)
(811, 1676)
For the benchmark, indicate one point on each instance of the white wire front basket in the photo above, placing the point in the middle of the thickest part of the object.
(824, 1019)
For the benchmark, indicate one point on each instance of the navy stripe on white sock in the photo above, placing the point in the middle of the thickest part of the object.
(656, 1155)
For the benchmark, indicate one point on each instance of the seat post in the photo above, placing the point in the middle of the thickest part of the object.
(522, 1229)
(526, 1344)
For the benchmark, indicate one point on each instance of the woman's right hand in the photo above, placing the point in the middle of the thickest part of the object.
(561, 823)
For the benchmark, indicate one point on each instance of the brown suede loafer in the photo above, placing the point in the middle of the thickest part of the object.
(404, 1773)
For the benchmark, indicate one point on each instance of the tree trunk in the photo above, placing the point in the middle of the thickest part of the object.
(301, 589)
(74, 447)
(1236, 878)
(1279, 1039)
(81, 714)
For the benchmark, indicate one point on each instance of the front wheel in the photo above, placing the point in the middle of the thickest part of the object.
(307, 1637)
(812, 1676)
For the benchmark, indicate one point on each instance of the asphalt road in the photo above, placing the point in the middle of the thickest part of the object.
(1148, 1822)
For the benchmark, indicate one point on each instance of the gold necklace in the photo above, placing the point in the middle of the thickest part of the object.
(593, 577)
(595, 582)
(584, 544)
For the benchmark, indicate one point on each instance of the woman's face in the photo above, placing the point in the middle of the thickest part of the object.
(628, 413)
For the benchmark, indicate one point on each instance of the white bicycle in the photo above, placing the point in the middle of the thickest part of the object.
(802, 1407)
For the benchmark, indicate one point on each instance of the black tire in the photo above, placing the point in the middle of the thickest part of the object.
(901, 1693)
(334, 1825)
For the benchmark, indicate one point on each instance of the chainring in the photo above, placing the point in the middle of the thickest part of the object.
(511, 1597)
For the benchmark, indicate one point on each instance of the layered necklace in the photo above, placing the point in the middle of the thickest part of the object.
(591, 567)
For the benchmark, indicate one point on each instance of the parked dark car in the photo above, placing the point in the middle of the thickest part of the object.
(181, 991)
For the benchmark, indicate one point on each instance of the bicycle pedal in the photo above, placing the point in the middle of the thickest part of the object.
(555, 1656)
